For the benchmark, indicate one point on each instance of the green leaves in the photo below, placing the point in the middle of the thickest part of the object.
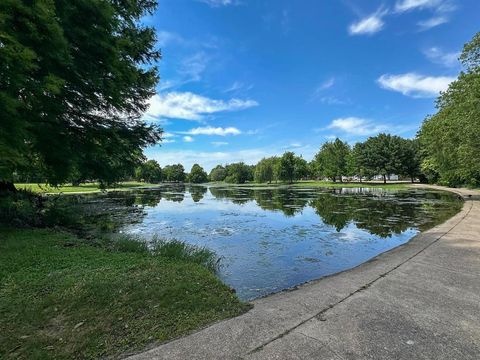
(449, 139)
(75, 77)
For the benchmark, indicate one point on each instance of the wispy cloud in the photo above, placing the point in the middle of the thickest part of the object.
(369, 25)
(188, 139)
(219, 143)
(218, 3)
(165, 38)
(319, 94)
(440, 8)
(438, 56)
(193, 66)
(356, 126)
(415, 85)
(324, 85)
(433, 22)
(190, 106)
(407, 5)
(238, 86)
(210, 130)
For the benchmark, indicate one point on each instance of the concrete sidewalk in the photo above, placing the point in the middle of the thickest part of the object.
(418, 301)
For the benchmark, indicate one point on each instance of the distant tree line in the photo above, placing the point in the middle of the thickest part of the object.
(381, 155)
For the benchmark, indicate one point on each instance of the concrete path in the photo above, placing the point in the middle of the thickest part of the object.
(418, 301)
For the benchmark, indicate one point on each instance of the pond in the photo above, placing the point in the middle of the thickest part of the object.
(270, 239)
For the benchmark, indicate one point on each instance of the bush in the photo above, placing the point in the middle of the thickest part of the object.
(24, 208)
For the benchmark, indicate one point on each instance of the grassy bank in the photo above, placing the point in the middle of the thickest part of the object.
(82, 188)
(63, 298)
(325, 184)
(388, 185)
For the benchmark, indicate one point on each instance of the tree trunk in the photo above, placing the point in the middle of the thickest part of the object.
(384, 179)
(7, 186)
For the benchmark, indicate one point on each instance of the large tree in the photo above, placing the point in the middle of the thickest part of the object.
(238, 173)
(450, 139)
(218, 173)
(150, 171)
(287, 167)
(383, 155)
(331, 160)
(265, 170)
(174, 173)
(75, 77)
(197, 175)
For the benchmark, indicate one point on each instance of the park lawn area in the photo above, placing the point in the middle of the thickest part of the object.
(331, 184)
(63, 298)
(325, 184)
(82, 188)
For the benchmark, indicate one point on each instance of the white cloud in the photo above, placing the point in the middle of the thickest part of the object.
(167, 134)
(217, 3)
(433, 22)
(407, 5)
(210, 130)
(369, 25)
(190, 106)
(415, 85)
(438, 56)
(188, 139)
(168, 141)
(356, 126)
(219, 143)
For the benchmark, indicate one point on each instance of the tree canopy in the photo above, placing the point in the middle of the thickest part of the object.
(331, 160)
(450, 139)
(174, 173)
(149, 171)
(75, 77)
(197, 175)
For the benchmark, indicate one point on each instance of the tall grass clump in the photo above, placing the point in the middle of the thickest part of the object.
(172, 250)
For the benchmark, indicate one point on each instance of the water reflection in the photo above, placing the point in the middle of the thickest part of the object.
(274, 238)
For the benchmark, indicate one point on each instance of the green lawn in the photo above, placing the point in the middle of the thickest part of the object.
(388, 185)
(326, 184)
(63, 298)
(83, 188)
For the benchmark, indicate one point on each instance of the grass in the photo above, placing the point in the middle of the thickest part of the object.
(61, 297)
(388, 185)
(82, 188)
(326, 184)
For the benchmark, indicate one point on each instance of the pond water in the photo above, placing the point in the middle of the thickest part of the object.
(270, 239)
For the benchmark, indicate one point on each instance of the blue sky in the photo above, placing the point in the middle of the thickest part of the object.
(244, 79)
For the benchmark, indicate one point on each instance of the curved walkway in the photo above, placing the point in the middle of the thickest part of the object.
(418, 301)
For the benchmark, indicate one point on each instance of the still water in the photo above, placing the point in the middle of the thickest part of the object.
(271, 239)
